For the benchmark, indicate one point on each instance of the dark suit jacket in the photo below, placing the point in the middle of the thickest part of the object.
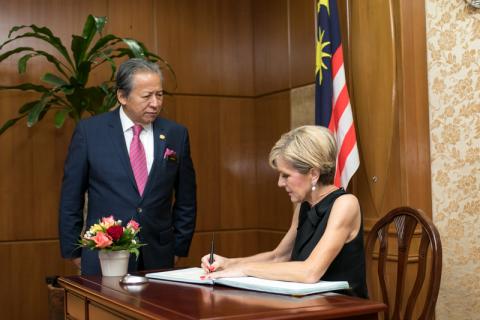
(98, 162)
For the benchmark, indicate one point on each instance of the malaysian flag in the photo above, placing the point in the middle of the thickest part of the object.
(332, 104)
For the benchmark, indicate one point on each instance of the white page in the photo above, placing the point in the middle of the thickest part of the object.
(192, 275)
(283, 287)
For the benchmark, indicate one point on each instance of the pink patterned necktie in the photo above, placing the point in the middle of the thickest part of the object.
(138, 159)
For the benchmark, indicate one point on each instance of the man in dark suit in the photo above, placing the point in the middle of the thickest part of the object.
(133, 164)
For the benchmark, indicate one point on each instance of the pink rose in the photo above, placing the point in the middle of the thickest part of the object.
(101, 240)
(115, 232)
(108, 221)
(132, 224)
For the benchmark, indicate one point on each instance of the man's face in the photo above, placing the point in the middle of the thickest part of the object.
(144, 103)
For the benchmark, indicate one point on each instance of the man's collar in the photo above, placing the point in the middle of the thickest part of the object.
(127, 123)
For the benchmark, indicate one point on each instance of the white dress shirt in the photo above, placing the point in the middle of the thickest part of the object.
(146, 136)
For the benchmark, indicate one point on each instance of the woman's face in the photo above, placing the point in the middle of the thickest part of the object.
(297, 185)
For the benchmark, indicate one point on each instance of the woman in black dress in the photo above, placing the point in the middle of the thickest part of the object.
(325, 239)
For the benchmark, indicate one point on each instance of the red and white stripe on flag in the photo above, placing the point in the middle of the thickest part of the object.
(341, 124)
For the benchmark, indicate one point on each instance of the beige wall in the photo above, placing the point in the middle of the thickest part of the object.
(454, 92)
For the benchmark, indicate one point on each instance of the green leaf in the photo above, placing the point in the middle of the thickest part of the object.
(34, 114)
(41, 33)
(78, 48)
(113, 66)
(44, 111)
(52, 60)
(25, 35)
(53, 79)
(93, 25)
(15, 29)
(14, 51)
(22, 62)
(121, 52)
(95, 96)
(86, 99)
(68, 89)
(34, 53)
(27, 106)
(26, 87)
(135, 47)
(83, 72)
(53, 40)
(60, 116)
(89, 28)
(148, 53)
(100, 23)
(9, 123)
(135, 251)
(110, 99)
(74, 82)
(109, 39)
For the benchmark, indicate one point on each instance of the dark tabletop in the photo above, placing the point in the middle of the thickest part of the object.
(158, 299)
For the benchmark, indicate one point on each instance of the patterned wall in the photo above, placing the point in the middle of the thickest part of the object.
(453, 40)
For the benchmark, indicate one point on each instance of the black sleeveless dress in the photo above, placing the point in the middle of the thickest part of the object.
(349, 265)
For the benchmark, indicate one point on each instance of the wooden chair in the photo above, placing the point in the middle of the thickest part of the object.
(405, 221)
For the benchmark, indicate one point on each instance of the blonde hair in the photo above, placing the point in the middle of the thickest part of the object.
(305, 148)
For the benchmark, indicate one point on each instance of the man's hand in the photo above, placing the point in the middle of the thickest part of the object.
(77, 262)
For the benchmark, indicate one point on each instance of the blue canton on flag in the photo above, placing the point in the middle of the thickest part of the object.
(332, 103)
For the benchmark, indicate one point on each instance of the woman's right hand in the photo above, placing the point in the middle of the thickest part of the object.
(219, 263)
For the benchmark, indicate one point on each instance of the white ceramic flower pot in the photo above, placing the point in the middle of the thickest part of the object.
(114, 263)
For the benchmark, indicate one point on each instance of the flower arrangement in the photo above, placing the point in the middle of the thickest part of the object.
(108, 234)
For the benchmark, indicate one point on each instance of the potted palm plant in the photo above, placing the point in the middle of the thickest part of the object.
(67, 91)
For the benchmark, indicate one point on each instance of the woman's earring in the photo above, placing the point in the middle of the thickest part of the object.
(314, 186)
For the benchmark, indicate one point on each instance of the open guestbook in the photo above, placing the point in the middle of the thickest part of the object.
(192, 275)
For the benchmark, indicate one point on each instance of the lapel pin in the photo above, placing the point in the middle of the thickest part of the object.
(162, 137)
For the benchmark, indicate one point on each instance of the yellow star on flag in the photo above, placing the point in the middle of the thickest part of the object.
(320, 54)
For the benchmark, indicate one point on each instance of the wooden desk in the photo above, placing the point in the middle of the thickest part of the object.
(97, 298)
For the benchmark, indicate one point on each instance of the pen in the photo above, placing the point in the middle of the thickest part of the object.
(212, 249)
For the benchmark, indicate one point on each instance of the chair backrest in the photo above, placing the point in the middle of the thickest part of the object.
(405, 221)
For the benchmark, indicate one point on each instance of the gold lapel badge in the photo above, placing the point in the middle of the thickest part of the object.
(162, 137)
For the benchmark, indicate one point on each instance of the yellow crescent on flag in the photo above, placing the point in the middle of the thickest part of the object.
(324, 3)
